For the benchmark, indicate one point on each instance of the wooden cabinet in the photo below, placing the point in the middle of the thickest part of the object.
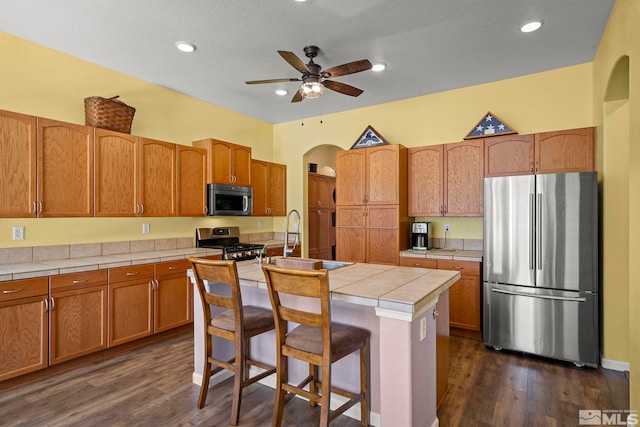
(418, 262)
(130, 303)
(227, 163)
(172, 295)
(269, 182)
(371, 204)
(134, 176)
(464, 174)
(65, 169)
(320, 213)
(191, 184)
(23, 326)
(572, 150)
(157, 193)
(426, 180)
(464, 295)
(17, 165)
(78, 315)
(509, 155)
(117, 169)
(446, 180)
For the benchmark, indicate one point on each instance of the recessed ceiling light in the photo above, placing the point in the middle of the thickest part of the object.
(301, 1)
(186, 46)
(379, 66)
(531, 26)
(281, 92)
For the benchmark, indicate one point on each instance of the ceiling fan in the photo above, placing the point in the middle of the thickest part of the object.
(314, 79)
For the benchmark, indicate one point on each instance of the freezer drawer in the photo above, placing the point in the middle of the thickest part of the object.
(557, 324)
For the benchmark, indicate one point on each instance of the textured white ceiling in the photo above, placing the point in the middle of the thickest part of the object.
(429, 45)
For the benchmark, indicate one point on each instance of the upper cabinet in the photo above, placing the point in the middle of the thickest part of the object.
(426, 180)
(134, 176)
(17, 165)
(572, 150)
(446, 180)
(269, 182)
(65, 169)
(227, 163)
(191, 184)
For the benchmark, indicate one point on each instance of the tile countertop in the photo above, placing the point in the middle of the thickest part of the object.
(452, 254)
(27, 270)
(405, 289)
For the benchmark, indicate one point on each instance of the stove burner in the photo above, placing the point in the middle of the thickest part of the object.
(227, 239)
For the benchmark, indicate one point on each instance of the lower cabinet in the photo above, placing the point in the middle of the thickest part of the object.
(442, 346)
(172, 296)
(24, 324)
(77, 315)
(130, 303)
(464, 295)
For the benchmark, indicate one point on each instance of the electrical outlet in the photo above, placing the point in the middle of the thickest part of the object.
(18, 232)
(423, 328)
(145, 228)
(260, 224)
(447, 228)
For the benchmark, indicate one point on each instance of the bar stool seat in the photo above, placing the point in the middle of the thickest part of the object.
(255, 319)
(344, 339)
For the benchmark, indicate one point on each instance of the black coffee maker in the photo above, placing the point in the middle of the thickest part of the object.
(420, 235)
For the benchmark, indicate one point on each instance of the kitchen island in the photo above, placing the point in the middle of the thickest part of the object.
(397, 304)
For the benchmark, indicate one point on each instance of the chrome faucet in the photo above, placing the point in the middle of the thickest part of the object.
(261, 253)
(296, 231)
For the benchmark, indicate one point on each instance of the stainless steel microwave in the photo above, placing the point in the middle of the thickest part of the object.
(230, 200)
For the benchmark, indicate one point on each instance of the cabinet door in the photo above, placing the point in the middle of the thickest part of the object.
(565, 151)
(172, 302)
(259, 182)
(382, 216)
(350, 177)
(508, 155)
(382, 246)
(426, 181)
(157, 178)
(78, 323)
(117, 173)
(23, 336)
(325, 189)
(130, 311)
(465, 303)
(351, 244)
(277, 189)
(241, 165)
(464, 173)
(326, 233)
(17, 165)
(383, 175)
(191, 188)
(65, 169)
(222, 168)
(313, 218)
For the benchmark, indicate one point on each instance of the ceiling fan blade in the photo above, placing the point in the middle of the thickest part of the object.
(342, 88)
(297, 97)
(348, 68)
(294, 61)
(257, 82)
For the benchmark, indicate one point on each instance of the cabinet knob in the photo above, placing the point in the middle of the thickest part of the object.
(12, 291)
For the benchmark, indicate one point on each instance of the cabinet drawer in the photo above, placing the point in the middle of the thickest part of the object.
(172, 267)
(16, 289)
(464, 267)
(134, 272)
(78, 280)
(418, 262)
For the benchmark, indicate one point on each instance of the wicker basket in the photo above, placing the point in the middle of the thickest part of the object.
(108, 113)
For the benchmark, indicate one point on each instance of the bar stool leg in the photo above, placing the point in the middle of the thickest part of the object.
(364, 389)
(282, 377)
(206, 372)
(325, 399)
(313, 385)
(237, 382)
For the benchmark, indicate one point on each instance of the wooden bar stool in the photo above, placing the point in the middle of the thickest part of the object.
(316, 341)
(237, 323)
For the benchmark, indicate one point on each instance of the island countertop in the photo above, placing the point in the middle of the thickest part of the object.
(403, 289)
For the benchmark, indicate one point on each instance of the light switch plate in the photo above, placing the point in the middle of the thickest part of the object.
(423, 328)
(18, 232)
(145, 228)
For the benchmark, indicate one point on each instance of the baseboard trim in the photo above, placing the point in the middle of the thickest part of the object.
(615, 365)
(436, 423)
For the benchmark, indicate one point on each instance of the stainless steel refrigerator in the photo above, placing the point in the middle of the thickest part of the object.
(540, 290)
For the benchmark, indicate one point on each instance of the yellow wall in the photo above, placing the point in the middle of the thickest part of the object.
(622, 337)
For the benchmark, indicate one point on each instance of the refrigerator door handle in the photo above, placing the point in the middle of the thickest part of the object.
(532, 231)
(539, 232)
(521, 294)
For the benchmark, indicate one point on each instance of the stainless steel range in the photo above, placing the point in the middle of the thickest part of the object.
(227, 239)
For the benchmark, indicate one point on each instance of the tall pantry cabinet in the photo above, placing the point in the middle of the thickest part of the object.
(371, 204)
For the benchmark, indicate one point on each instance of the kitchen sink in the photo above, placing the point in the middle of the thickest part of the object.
(332, 265)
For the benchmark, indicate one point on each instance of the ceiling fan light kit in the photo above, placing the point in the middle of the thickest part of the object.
(314, 79)
(186, 47)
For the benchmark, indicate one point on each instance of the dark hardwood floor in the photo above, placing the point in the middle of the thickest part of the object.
(151, 385)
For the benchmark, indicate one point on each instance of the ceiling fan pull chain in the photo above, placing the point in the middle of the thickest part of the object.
(320, 110)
